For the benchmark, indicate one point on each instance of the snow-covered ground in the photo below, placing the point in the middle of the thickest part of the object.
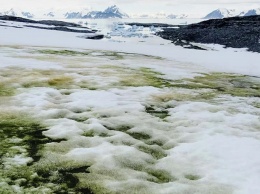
(126, 117)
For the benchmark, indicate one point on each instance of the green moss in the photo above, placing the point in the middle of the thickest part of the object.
(67, 93)
(20, 131)
(79, 119)
(160, 176)
(115, 55)
(192, 177)
(104, 135)
(122, 128)
(87, 85)
(256, 104)
(155, 151)
(27, 131)
(89, 133)
(58, 82)
(6, 91)
(92, 184)
(22, 135)
(140, 80)
(156, 142)
(160, 114)
(139, 135)
(233, 84)
(131, 164)
(127, 143)
(61, 52)
(147, 70)
(144, 77)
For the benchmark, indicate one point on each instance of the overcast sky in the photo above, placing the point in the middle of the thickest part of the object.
(132, 6)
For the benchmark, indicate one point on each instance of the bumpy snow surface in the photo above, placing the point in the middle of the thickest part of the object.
(88, 121)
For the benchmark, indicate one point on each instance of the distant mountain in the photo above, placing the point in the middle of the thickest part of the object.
(50, 14)
(73, 15)
(172, 16)
(10, 12)
(158, 16)
(252, 12)
(115, 12)
(110, 12)
(224, 13)
(220, 13)
(27, 15)
(147, 16)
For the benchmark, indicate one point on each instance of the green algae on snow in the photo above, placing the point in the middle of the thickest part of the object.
(192, 177)
(154, 150)
(157, 113)
(20, 136)
(6, 91)
(160, 176)
(58, 82)
(144, 77)
(223, 83)
(61, 52)
(22, 144)
(114, 55)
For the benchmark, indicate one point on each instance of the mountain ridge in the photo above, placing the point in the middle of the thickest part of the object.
(225, 13)
(114, 12)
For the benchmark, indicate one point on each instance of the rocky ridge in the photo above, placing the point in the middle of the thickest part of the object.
(50, 25)
(236, 32)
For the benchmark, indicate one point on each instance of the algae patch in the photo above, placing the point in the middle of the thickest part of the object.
(192, 177)
(58, 82)
(61, 52)
(22, 145)
(160, 176)
(222, 83)
(157, 113)
(6, 91)
(144, 77)
(108, 54)
(154, 150)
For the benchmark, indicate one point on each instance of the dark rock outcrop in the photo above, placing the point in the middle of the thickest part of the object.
(50, 25)
(236, 32)
(159, 25)
(45, 22)
(61, 28)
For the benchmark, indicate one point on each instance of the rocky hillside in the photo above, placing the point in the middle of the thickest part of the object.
(236, 32)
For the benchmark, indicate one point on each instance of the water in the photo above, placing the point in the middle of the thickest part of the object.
(124, 33)
(108, 23)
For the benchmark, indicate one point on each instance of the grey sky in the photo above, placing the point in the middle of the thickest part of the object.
(132, 6)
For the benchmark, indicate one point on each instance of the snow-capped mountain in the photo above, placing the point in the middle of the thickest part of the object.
(27, 14)
(115, 12)
(173, 16)
(158, 16)
(221, 13)
(13, 12)
(149, 15)
(10, 12)
(73, 15)
(50, 14)
(252, 12)
(110, 12)
(76, 14)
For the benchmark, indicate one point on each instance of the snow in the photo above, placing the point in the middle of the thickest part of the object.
(108, 128)
(17, 160)
(227, 60)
